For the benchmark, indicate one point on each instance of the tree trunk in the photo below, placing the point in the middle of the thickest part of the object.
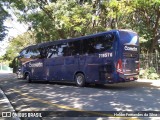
(155, 30)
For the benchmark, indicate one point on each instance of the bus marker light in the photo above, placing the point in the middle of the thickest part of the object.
(131, 79)
(119, 66)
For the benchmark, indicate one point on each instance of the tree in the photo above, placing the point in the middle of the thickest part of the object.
(61, 19)
(17, 44)
(146, 21)
(3, 16)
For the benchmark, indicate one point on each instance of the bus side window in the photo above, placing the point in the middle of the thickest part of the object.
(66, 50)
(109, 37)
(88, 46)
(63, 49)
(75, 48)
(43, 53)
(53, 51)
(35, 54)
(27, 54)
(22, 54)
(104, 42)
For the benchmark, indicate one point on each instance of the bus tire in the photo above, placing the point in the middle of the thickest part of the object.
(80, 80)
(28, 78)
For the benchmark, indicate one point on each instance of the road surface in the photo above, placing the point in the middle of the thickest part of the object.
(43, 96)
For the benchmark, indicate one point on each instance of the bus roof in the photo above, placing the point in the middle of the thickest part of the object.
(49, 43)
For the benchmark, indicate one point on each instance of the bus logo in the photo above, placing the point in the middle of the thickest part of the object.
(127, 48)
(39, 64)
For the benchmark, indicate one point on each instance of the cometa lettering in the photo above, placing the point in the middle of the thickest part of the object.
(130, 48)
(39, 64)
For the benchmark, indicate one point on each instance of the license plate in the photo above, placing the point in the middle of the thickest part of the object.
(131, 79)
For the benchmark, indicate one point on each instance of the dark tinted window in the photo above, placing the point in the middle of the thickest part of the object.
(75, 48)
(98, 44)
(52, 52)
(34, 53)
(65, 49)
(58, 50)
(103, 43)
(88, 46)
(22, 53)
(30, 53)
(43, 52)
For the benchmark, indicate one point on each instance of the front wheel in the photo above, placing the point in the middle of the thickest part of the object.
(28, 78)
(80, 80)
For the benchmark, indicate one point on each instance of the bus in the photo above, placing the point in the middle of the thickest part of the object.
(101, 58)
(16, 65)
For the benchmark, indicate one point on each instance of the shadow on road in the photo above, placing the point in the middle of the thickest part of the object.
(130, 96)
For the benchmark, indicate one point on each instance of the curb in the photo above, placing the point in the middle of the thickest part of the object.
(9, 106)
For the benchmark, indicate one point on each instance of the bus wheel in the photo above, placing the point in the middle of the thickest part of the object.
(28, 78)
(80, 79)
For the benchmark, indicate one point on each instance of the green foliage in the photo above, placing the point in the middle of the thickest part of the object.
(17, 44)
(64, 20)
(60, 19)
(3, 16)
(146, 21)
(149, 73)
(153, 76)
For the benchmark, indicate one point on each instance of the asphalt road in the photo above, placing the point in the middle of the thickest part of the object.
(130, 96)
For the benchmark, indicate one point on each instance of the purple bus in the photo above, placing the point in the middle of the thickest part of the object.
(106, 57)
